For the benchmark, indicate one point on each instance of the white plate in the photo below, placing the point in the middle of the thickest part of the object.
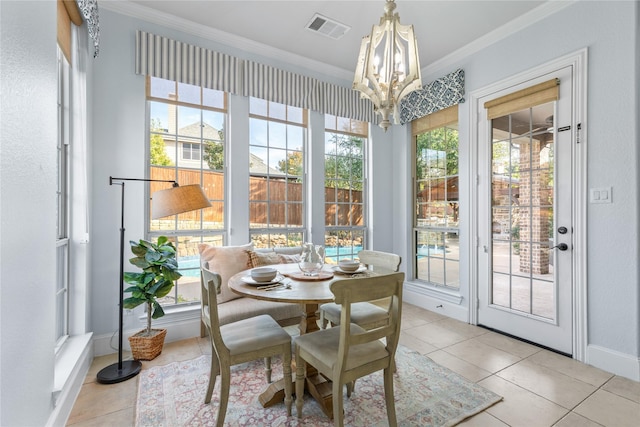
(360, 269)
(249, 280)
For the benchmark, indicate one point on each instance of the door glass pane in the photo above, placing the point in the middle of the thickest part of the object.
(522, 197)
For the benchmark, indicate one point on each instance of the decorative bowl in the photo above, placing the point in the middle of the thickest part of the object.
(348, 265)
(263, 274)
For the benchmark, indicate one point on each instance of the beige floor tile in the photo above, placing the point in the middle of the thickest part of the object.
(508, 344)
(624, 387)
(554, 386)
(469, 371)
(482, 355)
(609, 409)
(416, 344)
(574, 420)
(96, 399)
(462, 328)
(436, 334)
(122, 418)
(483, 419)
(521, 407)
(571, 367)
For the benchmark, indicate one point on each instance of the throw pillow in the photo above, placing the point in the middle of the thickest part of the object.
(258, 259)
(289, 259)
(226, 261)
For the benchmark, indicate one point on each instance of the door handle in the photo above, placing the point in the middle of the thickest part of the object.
(561, 247)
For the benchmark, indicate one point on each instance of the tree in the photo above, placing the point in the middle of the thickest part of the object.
(157, 152)
(292, 165)
(437, 153)
(214, 152)
(344, 165)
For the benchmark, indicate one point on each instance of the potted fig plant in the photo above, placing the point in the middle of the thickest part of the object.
(159, 273)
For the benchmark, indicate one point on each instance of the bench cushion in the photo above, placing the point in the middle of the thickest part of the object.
(243, 308)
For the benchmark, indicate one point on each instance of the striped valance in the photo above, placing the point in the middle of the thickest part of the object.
(437, 95)
(346, 102)
(270, 83)
(169, 59)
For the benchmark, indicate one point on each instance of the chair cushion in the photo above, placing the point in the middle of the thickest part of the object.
(323, 345)
(253, 334)
(241, 308)
(362, 313)
(226, 261)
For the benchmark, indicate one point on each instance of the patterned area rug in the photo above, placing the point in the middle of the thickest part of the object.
(426, 394)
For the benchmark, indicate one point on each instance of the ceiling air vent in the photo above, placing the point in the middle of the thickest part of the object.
(327, 27)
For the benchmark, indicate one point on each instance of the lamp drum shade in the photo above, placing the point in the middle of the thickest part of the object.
(177, 200)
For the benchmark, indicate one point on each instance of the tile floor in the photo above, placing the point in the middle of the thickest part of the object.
(540, 388)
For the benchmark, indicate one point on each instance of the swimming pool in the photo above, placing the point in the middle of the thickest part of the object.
(190, 266)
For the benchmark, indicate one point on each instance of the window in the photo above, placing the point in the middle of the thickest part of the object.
(190, 151)
(436, 225)
(62, 195)
(187, 144)
(277, 138)
(344, 177)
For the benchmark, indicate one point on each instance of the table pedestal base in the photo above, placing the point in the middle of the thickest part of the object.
(318, 386)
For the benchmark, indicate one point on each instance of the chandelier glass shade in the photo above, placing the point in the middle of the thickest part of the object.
(388, 66)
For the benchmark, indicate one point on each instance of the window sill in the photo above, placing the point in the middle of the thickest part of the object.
(68, 360)
(431, 291)
(174, 315)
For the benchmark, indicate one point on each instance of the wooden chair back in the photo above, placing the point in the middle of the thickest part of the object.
(380, 259)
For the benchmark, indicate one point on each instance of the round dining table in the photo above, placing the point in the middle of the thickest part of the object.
(310, 291)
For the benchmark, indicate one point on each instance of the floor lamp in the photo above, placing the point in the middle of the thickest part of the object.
(172, 201)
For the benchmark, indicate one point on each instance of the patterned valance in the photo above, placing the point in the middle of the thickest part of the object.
(435, 96)
(89, 9)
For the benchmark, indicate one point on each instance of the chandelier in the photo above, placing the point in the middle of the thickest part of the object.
(388, 67)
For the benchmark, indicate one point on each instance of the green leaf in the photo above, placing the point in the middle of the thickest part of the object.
(137, 250)
(157, 311)
(139, 262)
(162, 240)
(133, 278)
(132, 302)
(164, 289)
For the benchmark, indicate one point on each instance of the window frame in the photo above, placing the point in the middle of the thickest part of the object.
(342, 127)
(63, 203)
(443, 119)
(284, 234)
(186, 240)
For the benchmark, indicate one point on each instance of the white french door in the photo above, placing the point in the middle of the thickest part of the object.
(525, 201)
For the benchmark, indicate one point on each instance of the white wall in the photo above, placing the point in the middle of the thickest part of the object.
(28, 112)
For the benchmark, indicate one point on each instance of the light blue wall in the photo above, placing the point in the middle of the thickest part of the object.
(610, 32)
(611, 126)
(119, 150)
(27, 211)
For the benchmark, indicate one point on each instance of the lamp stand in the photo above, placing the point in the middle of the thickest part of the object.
(120, 371)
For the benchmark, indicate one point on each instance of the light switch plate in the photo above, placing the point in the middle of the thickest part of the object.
(600, 195)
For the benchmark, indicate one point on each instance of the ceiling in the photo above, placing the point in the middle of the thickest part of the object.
(277, 29)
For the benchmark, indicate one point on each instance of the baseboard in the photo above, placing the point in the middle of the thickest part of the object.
(176, 330)
(613, 361)
(433, 300)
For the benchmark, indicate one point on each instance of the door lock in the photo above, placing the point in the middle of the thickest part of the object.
(562, 230)
(561, 247)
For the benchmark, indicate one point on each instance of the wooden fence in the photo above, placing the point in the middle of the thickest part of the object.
(285, 202)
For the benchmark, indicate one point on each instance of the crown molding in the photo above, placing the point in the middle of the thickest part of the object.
(150, 15)
(160, 18)
(500, 33)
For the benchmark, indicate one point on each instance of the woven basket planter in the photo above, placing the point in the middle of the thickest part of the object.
(147, 348)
